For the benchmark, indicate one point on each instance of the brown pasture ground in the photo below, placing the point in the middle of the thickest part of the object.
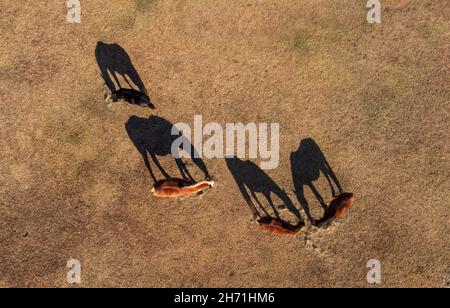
(375, 98)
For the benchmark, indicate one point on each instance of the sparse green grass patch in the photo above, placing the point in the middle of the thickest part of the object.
(301, 43)
(145, 5)
(74, 137)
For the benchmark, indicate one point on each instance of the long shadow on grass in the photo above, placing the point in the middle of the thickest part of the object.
(252, 180)
(307, 164)
(114, 62)
(153, 138)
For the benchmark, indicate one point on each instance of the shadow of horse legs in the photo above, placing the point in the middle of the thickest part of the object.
(308, 163)
(249, 177)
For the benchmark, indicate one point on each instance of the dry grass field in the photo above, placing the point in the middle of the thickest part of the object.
(374, 98)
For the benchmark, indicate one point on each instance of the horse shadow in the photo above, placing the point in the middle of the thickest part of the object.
(252, 180)
(308, 163)
(154, 137)
(114, 62)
